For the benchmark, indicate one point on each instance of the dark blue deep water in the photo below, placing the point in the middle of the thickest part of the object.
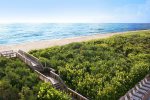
(20, 33)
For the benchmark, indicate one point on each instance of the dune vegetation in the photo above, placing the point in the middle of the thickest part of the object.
(102, 69)
(18, 82)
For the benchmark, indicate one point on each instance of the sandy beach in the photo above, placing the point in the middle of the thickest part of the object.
(57, 42)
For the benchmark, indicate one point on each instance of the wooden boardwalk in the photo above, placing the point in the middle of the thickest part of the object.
(51, 77)
(140, 91)
(8, 54)
(30, 60)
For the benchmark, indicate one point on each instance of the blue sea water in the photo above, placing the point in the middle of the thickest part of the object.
(20, 33)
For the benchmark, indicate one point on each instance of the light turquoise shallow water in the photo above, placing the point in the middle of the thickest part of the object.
(20, 33)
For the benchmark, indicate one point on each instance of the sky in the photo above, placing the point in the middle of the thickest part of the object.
(75, 11)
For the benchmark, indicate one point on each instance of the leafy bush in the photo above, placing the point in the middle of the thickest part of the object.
(103, 69)
(18, 82)
(47, 92)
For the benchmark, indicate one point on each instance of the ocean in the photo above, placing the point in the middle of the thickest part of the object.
(26, 32)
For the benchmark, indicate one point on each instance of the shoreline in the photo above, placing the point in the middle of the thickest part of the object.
(56, 42)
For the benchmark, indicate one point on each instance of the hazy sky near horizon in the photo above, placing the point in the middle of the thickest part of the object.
(91, 11)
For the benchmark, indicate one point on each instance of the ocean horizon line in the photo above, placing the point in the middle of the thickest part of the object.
(26, 32)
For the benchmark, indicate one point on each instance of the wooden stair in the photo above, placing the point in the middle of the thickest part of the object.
(141, 91)
(51, 77)
(30, 60)
(58, 86)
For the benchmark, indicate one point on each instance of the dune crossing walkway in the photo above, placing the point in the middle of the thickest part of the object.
(30, 60)
(140, 91)
(50, 76)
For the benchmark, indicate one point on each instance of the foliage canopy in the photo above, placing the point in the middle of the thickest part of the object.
(18, 82)
(104, 68)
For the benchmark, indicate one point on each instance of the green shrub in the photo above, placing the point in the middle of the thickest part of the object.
(103, 69)
(18, 82)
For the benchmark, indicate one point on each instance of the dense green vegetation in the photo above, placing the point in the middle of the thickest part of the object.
(18, 82)
(48, 93)
(103, 69)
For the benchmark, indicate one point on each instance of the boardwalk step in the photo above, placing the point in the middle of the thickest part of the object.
(143, 87)
(135, 93)
(58, 86)
(133, 97)
(139, 92)
(145, 84)
(146, 81)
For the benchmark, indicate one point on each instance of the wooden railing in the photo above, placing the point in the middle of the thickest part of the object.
(31, 57)
(71, 92)
(24, 59)
(43, 77)
(8, 54)
(76, 95)
(56, 76)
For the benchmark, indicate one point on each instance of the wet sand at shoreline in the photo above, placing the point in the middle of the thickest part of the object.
(57, 42)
